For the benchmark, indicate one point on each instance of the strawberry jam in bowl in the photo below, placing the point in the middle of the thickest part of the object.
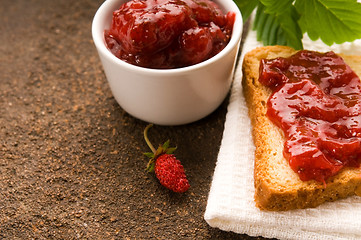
(168, 62)
(166, 34)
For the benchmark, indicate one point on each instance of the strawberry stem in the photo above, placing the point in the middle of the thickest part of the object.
(147, 140)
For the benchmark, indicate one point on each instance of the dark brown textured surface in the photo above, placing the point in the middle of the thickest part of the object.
(71, 163)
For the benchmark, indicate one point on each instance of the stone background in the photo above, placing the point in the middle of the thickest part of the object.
(71, 163)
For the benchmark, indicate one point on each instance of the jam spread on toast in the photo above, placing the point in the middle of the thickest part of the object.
(316, 101)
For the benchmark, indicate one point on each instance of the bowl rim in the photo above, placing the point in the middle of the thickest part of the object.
(99, 41)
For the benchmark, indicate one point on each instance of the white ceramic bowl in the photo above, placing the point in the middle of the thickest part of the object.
(171, 96)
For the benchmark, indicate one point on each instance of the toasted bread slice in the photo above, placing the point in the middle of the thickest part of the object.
(277, 186)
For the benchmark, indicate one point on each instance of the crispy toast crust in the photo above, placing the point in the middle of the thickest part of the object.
(277, 187)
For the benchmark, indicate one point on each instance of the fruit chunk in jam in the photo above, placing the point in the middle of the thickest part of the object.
(168, 33)
(316, 100)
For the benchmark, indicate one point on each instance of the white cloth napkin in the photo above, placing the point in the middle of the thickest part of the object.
(231, 206)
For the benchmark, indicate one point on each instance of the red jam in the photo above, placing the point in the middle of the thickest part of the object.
(316, 101)
(167, 34)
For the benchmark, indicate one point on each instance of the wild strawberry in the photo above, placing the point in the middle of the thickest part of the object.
(168, 169)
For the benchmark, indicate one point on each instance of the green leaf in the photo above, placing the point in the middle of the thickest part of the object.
(149, 154)
(291, 30)
(333, 21)
(246, 7)
(158, 152)
(281, 40)
(266, 33)
(259, 21)
(272, 39)
(171, 150)
(150, 166)
(276, 7)
(278, 26)
(166, 145)
(283, 22)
